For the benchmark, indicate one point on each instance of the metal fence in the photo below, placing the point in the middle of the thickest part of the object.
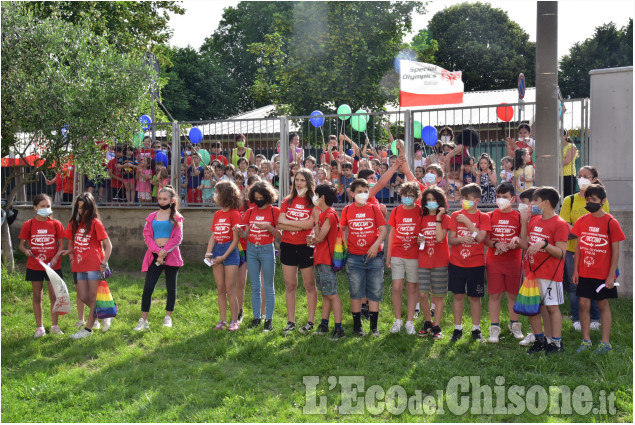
(267, 142)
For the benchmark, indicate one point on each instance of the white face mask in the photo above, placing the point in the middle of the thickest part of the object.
(523, 208)
(445, 138)
(301, 192)
(583, 183)
(503, 203)
(361, 198)
(44, 212)
(315, 199)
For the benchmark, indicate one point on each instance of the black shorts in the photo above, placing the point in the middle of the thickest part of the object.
(296, 255)
(474, 277)
(587, 288)
(39, 275)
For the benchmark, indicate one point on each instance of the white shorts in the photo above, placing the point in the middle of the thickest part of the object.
(550, 292)
(405, 268)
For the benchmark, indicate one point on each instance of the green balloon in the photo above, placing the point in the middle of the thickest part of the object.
(359, 122)
(138, 138)
(417, 130)
(344, 110)
(205, 155)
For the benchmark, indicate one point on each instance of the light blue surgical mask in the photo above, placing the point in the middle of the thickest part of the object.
(44, 212)
(407, 201)
(432, 206)
(535, 210)
(430, 178)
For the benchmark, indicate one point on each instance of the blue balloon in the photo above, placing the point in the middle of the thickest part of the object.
(145, 119)
(317, 119)
(350, 152)
(429, 135)
(161, 157)
(196, 135)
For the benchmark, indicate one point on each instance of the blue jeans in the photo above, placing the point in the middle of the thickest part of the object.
(261, 257)
(574, 300)
(365, 277)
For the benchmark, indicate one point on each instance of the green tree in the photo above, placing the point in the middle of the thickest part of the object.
(425, 47)
(608, 48)
(331, 53)
(482, 42)
(56, 74)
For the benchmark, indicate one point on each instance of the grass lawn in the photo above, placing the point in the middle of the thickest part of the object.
(190, 373)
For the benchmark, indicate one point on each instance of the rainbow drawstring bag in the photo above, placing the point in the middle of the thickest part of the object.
(340, 252)
(528, 299)
(242, 257)
(104, 306)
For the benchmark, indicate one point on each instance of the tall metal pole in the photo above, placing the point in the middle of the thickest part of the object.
(283, 178)
(548, 152)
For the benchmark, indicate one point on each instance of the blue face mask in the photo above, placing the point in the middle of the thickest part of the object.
(430, 178)
(535, 210)
(407, 201)
(432, 206)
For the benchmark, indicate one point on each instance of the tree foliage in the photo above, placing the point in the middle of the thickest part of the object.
(57, 74)
(608, 48)
(483, 43)
(329, 53)
(425, 47)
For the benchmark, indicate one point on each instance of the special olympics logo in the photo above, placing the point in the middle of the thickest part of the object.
(430, 252)
(465, 253)
(361, 243)
(589, 261)
(42, 258)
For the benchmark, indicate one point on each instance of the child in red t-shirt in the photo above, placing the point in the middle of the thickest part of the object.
(403, 253)
(434, 257)
(89, 249)
(45, 237)
(222, 251)
(468, 229)
(595, 262)
(504, 260)
(364, 264)
(324, 241)
(546, 244)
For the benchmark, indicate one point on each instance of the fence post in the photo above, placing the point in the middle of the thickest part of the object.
(283, 178)
(409, 139)
(175, 171)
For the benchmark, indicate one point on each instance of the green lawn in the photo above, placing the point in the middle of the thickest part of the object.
(192, 374)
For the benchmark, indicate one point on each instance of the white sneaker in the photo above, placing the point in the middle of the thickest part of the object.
(143, 324)
(39, 332)
(528, 340)
(595, 325)
(56, 330)
(107, 322)
(516, 330)
(82, 333)
(577, 326)
(494, 332)
(167, 321)
(396, 326)
(410, 328)
(96, 325)
(79, 324)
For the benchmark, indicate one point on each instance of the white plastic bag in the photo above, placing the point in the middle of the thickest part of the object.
(62, 299)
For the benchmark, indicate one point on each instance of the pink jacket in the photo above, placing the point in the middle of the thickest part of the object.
(172, 247)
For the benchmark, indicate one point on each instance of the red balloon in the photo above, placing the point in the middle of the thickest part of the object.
(505, 113)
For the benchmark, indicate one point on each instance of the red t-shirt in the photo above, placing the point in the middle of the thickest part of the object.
(220, 158)
(256, 215)
(468, 254)
(363, 226)
(323, 253)
(42, 237)
(300, 209)
(223, 224)
(594, 240)
(504, 227)
(112, 167)
(87, 250)
(435, 254)
(552, 230)
(68, 175)
(325, 159)
(406, 224)
(144, 152)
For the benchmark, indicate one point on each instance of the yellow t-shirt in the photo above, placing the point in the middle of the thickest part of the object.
(528, 173)
(569, 170)
(571, 215)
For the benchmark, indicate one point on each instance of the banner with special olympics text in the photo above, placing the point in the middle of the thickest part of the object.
(423, 84)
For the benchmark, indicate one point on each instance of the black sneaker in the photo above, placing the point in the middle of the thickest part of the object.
(306, 328)
(436, 332)
(240, 316)
(359, 332)
(375, 332)
(537, 346)
(254, 324)
(289, 328)
(322, 330)
(552, 348)
(476, 335)
(337, 334)
(456, 335)
(268, 326)
(425, 331)
(432, 312)
(365, 312)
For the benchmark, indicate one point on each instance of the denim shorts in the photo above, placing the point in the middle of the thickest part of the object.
(326, 279)
(96, 275)
(221, 248)
(365, 277)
